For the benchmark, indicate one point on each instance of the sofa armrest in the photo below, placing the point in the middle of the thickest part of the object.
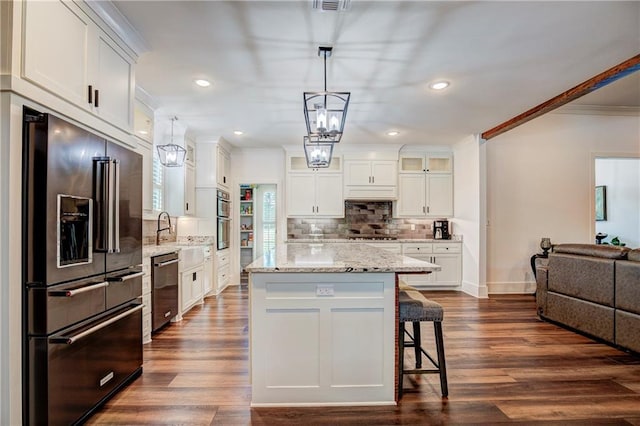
(542, 280)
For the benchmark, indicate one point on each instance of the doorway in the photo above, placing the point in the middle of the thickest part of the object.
(257, 224)
(617, 200)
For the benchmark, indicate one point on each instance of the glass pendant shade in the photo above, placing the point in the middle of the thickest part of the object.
(172, 155)
(325, 120)
(325, 112)
(317, 153)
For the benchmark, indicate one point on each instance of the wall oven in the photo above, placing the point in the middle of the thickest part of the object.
(223, 220)
(224, 204)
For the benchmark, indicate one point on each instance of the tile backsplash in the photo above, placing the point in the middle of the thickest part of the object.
(361, 218)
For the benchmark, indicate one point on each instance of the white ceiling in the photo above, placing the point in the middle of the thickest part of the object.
(502, 58)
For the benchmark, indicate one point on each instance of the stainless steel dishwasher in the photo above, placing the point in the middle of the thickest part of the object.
(164, 293)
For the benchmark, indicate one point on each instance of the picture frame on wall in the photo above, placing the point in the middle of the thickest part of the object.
(601, 202)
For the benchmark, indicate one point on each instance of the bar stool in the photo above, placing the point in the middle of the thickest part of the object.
(415, 308)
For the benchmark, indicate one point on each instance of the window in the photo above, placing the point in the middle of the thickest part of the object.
(158, 183)
(268, 222)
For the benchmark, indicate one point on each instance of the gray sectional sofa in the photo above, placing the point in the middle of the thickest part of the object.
(594, 289)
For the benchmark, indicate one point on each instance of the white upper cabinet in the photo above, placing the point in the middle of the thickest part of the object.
(143, 129)
(426, 163)
(425, 185)
(114, 87)
(298, 164)
(314, 192)
(370, 179)
(180, 186)
(223, 160)
(66, 53)
(56, 57)
(213, 166)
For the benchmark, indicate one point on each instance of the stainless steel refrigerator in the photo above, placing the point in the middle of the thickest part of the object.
(82, 269)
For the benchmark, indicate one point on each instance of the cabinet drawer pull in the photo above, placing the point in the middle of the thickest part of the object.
(74, 292)
(69, 340)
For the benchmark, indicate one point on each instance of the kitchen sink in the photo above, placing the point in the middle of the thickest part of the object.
(191, 256)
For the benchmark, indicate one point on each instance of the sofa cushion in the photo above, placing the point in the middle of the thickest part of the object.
(634, 255)
(594, 250)
(628, 330)
(590, 318)
(628, 285)
(584, 277)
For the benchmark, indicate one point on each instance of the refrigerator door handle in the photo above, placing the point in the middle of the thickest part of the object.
(116, 206)
(103, 199)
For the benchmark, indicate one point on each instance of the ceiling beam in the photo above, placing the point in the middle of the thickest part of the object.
(623, 69)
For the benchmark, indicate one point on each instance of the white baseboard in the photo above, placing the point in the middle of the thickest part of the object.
(474, 289)
(521, 287)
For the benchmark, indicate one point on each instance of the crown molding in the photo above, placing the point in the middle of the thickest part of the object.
(119, 24)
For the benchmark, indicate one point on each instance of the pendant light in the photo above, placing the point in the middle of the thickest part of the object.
(172, 155)
(325, 112)
(317, 153)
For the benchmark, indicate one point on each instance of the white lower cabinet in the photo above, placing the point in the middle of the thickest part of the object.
(207, 276)
(322, 338)
(146, 300)
(223, 270)
(191, 288)
(446, 254)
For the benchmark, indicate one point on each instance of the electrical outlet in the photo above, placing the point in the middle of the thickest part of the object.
(324, 290)
(413, 226)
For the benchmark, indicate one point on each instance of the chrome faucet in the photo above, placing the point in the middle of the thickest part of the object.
(159, 230)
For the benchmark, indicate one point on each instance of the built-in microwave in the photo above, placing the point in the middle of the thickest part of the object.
(224, 205)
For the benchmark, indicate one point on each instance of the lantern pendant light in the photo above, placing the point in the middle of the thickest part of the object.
(172, 155)
(325, 112)
(317, 153)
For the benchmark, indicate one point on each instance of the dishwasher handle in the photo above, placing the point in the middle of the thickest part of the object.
(168, 262)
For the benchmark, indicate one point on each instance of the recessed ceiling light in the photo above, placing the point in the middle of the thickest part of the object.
(393, 133)
(439, 85)
(203, 83)
(143, 132)
(238, 132)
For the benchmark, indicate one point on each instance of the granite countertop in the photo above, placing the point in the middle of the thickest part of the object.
(455, 239)
(328, 257)
(154, 250)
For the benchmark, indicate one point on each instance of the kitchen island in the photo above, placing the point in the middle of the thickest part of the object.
(323, 324)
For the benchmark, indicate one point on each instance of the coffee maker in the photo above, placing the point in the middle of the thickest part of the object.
(441, 229)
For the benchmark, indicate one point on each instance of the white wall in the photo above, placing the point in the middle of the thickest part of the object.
(540, 182)
(621, 176)
(468, 190)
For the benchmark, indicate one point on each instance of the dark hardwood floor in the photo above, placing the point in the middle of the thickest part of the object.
(504, 365)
